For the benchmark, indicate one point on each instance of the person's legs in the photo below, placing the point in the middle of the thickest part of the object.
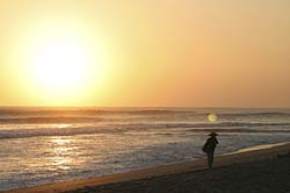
(210, 158)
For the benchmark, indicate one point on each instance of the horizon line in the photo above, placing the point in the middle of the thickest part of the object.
(161, 106)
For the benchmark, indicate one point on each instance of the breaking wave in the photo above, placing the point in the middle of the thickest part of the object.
(225, 127)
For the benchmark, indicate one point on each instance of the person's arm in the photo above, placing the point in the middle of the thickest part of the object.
(205, 146)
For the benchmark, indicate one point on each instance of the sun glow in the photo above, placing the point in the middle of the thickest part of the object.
(62, 69)
(63, 65)
(60, 65)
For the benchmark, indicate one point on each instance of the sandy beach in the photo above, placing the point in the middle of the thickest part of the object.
(260, 169)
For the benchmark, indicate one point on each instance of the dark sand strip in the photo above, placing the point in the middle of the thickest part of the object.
(256, 170)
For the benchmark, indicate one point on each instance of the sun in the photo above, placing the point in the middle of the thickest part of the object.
(65, 69)
(62, 69)
(61, 65)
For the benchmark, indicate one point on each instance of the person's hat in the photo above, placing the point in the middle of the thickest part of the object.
(213, 134)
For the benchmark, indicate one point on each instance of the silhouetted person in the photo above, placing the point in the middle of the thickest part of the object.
(209, 148)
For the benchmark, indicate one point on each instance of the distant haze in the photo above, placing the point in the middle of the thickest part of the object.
(198, 53)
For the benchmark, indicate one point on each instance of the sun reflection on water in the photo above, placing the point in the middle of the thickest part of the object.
(61, 149)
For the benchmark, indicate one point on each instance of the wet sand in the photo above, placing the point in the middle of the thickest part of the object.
(263, 169)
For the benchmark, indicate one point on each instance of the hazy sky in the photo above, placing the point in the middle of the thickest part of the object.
(194, 53)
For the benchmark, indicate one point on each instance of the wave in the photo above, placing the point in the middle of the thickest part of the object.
(201, 125)
(256, 114)
(51, 119)
(94, 115)
(16, 112)
(136, 111)
(228, 127)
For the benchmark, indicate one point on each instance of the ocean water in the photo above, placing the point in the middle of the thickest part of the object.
(45, 145)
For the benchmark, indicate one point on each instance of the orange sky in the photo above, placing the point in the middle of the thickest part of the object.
(196, 53)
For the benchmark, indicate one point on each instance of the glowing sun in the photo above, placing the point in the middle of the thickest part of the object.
(61, 64)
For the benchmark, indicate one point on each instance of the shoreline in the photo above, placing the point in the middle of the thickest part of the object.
(247, 155)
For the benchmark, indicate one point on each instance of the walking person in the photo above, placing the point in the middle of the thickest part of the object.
(209, 148)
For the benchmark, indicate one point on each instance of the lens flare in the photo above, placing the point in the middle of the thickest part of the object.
(212, 117)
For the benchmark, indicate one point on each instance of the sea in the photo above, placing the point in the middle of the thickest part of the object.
(47, 145)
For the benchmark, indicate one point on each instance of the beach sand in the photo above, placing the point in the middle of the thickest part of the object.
(256, 170)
